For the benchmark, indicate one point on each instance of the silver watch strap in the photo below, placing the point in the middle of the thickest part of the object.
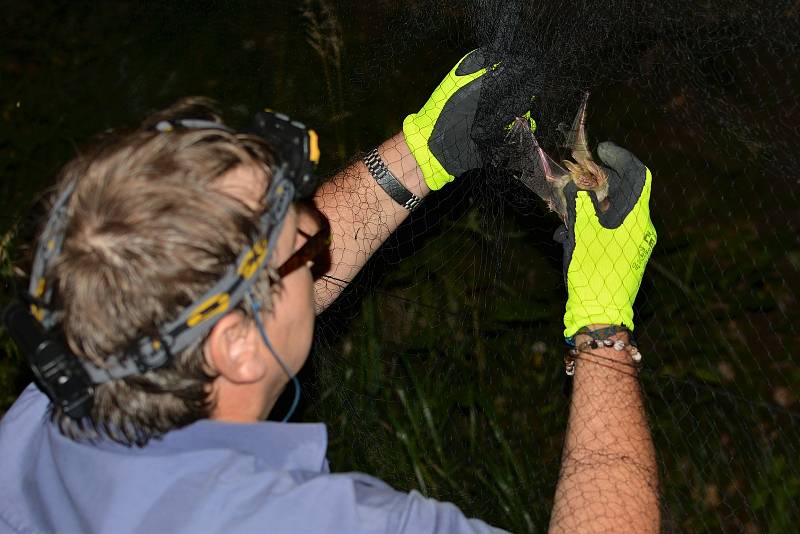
(378, 169)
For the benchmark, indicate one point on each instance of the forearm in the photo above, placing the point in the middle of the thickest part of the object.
(362, 214)
(609, 477)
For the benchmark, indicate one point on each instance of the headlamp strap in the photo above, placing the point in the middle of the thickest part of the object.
(69, 381)
(48, 248)
(152, 352)
(56, 368)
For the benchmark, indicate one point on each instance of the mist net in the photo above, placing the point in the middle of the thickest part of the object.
(440, 368)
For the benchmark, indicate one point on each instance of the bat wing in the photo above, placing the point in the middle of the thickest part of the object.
(534, 168)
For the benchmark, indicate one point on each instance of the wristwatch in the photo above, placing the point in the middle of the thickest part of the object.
(388, 182)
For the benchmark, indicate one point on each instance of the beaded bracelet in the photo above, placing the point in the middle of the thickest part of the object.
(606, 332)
(597, 342)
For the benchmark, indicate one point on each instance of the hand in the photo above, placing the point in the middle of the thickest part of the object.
(605, 253)
(439, 135)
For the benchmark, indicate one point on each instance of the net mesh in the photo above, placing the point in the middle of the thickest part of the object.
(440, 368)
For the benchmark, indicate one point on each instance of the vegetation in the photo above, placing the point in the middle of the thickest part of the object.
(440, 370)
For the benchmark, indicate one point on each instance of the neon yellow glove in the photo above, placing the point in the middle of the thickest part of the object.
(605, 253)
(440, 134)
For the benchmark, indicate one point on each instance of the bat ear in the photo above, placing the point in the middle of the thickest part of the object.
(575, 138)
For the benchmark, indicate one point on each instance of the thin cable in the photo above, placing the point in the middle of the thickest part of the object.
(261, 330)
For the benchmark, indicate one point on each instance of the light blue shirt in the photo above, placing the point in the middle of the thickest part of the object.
(207, 477)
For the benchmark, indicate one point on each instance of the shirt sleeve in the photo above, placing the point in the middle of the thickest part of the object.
(418, 514)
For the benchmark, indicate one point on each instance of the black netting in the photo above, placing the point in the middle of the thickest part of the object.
(441, 367)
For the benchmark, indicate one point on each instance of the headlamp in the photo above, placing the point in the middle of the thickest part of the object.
(297, 145)
(68, 380)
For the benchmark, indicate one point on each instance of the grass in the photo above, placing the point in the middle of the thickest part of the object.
(440, 370)
(12, 371)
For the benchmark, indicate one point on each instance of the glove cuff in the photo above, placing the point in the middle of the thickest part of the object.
(417, 129)
(578, 316)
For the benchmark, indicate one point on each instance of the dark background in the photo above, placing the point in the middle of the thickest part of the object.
(441, 369)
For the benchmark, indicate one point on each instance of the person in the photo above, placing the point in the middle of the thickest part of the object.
(174, 292)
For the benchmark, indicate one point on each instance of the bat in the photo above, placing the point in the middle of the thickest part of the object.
(547, 178)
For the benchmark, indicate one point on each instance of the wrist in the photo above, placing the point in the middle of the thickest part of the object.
(610, 346)
(397, 156)
(602, 331)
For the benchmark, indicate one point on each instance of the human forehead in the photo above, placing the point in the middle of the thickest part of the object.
(247, 183)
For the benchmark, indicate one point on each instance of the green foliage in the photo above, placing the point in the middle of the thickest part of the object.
(11, 369)
(447, 376)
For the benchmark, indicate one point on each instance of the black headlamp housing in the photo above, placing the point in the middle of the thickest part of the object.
(58, 373)
(69, 381)
(296, 147)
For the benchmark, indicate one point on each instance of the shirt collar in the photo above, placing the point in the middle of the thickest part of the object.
(277, 446)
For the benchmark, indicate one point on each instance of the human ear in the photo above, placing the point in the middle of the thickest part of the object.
(231, 350)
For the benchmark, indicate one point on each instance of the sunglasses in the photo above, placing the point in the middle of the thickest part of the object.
(315, 252)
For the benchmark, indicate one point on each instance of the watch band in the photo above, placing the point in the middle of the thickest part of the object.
(388, 182)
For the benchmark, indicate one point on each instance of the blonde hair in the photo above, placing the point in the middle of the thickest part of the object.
(148, 233)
